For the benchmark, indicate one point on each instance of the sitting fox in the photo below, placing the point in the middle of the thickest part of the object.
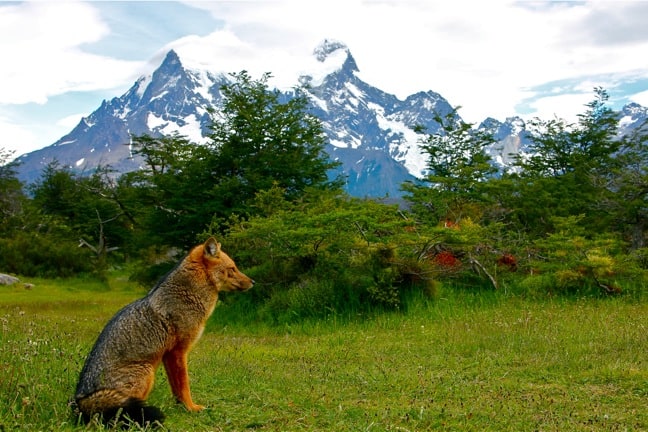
(118, 375)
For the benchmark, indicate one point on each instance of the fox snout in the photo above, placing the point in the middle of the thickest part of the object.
(246, 285)
(234, 280)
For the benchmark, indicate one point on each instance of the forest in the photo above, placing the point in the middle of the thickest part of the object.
(568, 219)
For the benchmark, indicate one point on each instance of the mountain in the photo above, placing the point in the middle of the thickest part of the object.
(511, 139)
(633, 117)
(512, 136)
(369, 131)
(171, 99)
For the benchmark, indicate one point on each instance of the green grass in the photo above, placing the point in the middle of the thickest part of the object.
(464, 362)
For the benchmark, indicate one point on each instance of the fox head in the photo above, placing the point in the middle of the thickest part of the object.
(222, 268)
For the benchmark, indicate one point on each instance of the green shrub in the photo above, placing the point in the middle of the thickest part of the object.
(33, 255)
(572, 262)
(309, 299)
(149, 275)
(418, 276)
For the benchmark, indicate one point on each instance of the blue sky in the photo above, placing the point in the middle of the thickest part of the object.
(61, 59)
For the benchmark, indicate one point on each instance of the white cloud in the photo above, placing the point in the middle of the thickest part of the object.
(489, 57)
(44, 41)
(564, 106)
(71, 121)
(16, 137)
(641, 98)
(483, 56)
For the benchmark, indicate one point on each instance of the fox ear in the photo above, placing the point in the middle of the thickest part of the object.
(212, 248)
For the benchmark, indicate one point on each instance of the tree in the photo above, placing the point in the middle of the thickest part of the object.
(574, 259)
(458, 166)
(42, 238)
(12, 197)
(259, 141)
(626, 205)
(569, 170)
(558, 148)
(328, 252)
(169, 198)
(81, 210)
(55, 192)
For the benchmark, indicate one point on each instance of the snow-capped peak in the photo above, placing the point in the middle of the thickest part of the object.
(328, 57)
(328, 47)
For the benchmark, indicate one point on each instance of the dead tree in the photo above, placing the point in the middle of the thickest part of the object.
(101, 250)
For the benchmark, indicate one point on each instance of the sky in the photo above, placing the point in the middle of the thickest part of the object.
(496, 58)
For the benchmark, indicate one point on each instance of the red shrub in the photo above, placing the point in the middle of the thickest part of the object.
(446, 259)
(508, 260)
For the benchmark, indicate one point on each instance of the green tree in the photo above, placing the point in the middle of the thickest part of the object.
(12, 198)
(589, 147)
(42, 237)
(258, 140)
(169, 198)
(458, 166)
(81, 210)
(575, 259)
(327, 252)
(625, 204)
(568, 172)
(55, 191)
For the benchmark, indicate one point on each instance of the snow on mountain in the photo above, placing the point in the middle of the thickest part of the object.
(329, 57)
(631, 117)
(510, 137)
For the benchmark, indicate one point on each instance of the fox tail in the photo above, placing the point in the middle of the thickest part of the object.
(133, 411)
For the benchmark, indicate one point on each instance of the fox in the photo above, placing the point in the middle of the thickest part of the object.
(162, 327)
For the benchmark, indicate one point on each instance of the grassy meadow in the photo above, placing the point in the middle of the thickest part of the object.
(465, 361)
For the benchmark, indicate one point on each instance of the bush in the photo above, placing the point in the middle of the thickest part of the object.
(571, 262)
(33, 255)
(310, 299)
(328, 254)
(149, 275)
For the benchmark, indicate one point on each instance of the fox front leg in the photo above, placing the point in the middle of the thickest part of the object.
(175, 364)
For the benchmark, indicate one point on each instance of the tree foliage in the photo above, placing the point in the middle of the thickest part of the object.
(582, 172)
(12, 198)
(327, 253)
(572, 260)
(458, 166)
(572, 170)
(257, 141)
(171, 195)
(558, 148)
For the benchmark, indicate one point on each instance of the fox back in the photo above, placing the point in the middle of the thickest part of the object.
(162, 327)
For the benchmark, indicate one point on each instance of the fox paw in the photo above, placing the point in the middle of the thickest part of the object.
(194, 407)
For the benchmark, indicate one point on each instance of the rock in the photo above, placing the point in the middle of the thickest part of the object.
(5, 279)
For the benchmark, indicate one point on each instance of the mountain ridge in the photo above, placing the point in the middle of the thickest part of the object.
(369, 131)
